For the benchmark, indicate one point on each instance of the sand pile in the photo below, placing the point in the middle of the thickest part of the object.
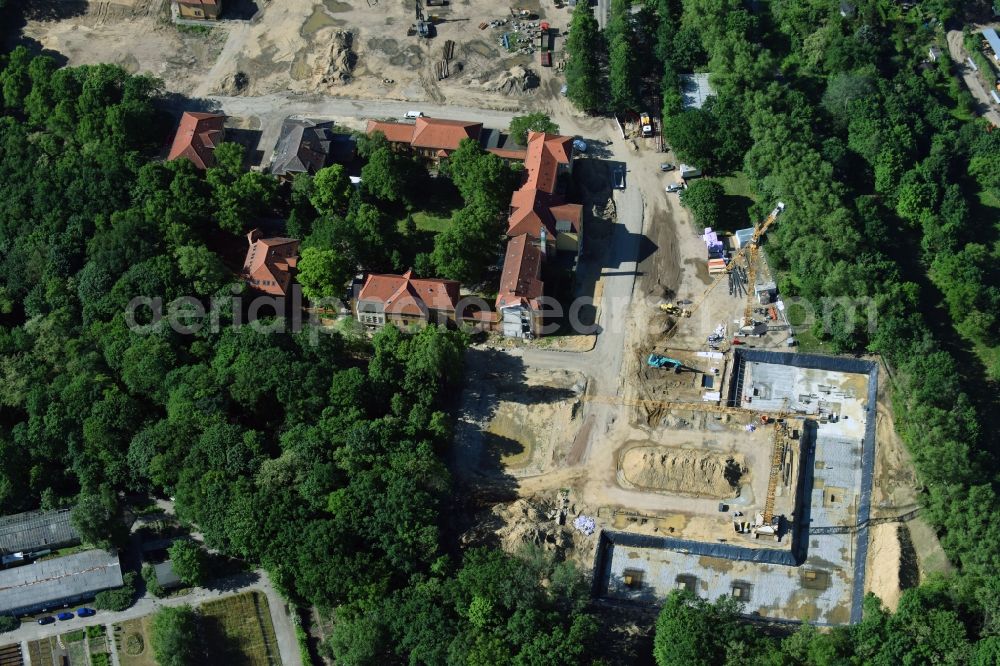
(683, 471)
(334, 66)
(513, 81)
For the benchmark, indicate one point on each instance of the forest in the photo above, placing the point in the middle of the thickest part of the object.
(323, 460)
(318, 458)
(891, 189)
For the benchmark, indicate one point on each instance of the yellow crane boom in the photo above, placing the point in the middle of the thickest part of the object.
(751, 247)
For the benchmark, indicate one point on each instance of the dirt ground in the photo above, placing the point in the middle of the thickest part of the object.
(882, 569)
(135, 34)
(353, 49)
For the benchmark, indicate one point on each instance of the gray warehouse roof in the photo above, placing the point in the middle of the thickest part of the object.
(50, 583)
(36, 530)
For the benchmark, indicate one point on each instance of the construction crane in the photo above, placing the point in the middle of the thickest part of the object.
(751, 248)
(765, 523)
(753, 245)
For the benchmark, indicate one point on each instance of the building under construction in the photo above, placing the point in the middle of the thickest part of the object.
(786, 558)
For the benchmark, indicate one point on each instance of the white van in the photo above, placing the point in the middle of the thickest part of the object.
(413, 115)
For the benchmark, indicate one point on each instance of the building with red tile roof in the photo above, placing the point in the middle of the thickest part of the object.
(199, 9)
(521, 288)
(396, 133)
(432, 138)
(197, 136)
(537, 208)
(269, 263)
(547, 156)
(404, 300)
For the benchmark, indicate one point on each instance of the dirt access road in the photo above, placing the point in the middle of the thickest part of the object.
(956, 50)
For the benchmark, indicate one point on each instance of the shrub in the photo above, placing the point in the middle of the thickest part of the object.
(152, 585)
(8, 623)
(119, 598)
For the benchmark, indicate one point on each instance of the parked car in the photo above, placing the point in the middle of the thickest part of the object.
(85, 612)
(65, 615)
(674, 187)
(48, 619)
(413, 115)
(667, 166)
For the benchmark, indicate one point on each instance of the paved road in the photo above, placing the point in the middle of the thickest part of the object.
(272, 109)
(288, 646)
(602, 12)
(987, 108)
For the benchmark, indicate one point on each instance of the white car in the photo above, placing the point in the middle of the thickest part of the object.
(674, 187)
(413, 115)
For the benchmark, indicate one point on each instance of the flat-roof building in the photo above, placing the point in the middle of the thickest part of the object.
(48, 584)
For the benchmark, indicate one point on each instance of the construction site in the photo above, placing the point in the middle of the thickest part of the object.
(715, 458)
(474, 52)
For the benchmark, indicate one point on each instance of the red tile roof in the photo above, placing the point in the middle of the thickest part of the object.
(197, 135)
(406, 295)
(520, 281)
(442, 134)
(269, 263)
(394, 132)
(535, 205)
(544, 155)
(530, 214)
(571, 212)
(508, 153)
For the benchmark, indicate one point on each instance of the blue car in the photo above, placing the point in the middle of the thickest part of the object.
(65, 616)
(48, 619)
(85, 612)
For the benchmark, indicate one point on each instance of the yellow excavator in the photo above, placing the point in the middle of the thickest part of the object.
(675, 310)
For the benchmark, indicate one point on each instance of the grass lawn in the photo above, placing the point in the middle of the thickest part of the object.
(132, 642)
(737, 185)
(237, 630)
(807, 341)
(435, 222)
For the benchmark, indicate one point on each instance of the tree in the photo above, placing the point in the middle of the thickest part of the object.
(691, 134)
(9, 623)
(152, 584)
(533, 122)
(483, 178)
(689, 630)
(470, 245)
(174, 637)
(622, 69)
(97, 518)
(202, 267)
(331, 190)
(323, 273)
(190, 562)
(583, 70)
(384, 175)
(704, 198)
